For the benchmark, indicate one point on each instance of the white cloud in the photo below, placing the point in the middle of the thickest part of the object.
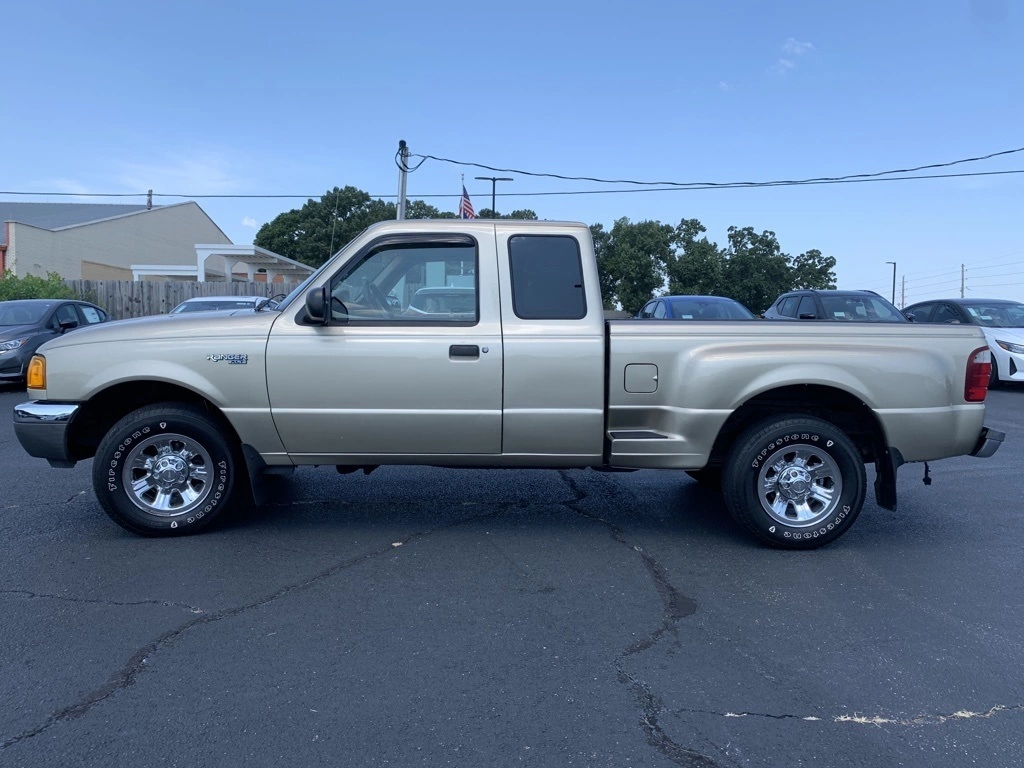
(250, 222)
(794, 47)
(782, 66)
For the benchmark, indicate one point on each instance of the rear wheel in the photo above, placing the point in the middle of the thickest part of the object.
(166, 470)
(795, 482)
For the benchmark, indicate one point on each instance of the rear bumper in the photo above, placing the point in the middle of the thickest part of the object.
(42, 430)
(988, 442)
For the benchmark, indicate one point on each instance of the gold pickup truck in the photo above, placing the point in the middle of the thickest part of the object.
(484, 344)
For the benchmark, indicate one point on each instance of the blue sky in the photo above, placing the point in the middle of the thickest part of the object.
(270, 98)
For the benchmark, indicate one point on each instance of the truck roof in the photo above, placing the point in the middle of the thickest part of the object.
(463, 225)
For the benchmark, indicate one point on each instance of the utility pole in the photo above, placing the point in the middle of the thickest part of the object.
(494, 183)
(403, 173)
(893, 280)
(963, 279)
(903, 293)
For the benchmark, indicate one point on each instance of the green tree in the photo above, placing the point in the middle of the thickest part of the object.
(697, 266)
(313, 233)
(604, 269)
(812, 270)
(757, 270)
(633, 259)
(524, 213)
(33, 287)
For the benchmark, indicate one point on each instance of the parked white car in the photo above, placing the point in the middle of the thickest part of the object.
(218, 303)
(1001, 320)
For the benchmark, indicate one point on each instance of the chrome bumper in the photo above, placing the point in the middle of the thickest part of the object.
(42, 430)
(988, 442)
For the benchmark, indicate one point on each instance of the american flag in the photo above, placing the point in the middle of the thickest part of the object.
(466, 207)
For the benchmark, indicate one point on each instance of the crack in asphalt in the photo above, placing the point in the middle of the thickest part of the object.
(878, 720)
(127, 675)
(650, 710)
(98, 601)
(675, 606)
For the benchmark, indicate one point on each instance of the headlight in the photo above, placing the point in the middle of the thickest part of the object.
(1015, 348)
(7, 346)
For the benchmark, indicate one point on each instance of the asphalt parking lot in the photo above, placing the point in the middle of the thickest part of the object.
(491, 618)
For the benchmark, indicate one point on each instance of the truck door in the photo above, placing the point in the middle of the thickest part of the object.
(553, 326)
(410, 363)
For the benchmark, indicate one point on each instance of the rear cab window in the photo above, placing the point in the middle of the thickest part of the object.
(547, 277)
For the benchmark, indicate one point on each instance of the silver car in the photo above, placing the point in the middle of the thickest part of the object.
(218, 303)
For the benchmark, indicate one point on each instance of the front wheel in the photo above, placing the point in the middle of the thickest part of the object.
(165, 470)
(795, 482)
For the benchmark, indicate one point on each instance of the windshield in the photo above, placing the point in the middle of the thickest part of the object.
(1002, 314)
(22, 313)
(861, 309)
(697, 309)
(211, 306)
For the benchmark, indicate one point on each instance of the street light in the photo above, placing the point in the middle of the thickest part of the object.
(893, 281)
(494, 183)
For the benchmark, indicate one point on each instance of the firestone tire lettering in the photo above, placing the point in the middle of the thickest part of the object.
(177, 418)
(748, 456)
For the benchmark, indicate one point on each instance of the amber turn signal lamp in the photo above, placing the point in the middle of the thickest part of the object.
(36, 378)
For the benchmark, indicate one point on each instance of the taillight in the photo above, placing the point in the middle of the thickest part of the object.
(979, 369)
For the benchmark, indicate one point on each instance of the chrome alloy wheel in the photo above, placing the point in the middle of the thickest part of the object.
(168, 475)
(799, 485)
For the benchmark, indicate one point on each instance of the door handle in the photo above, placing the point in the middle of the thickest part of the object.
(463, 350)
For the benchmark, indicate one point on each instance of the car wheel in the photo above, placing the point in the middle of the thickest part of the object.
(993, 377)
(166, 470)
(794, 481)
(711, 478)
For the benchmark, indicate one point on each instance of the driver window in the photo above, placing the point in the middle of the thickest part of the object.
(409, 283)
(659, 311)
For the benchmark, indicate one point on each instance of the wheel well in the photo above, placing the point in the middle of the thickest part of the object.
(830, 404)
(97, 415)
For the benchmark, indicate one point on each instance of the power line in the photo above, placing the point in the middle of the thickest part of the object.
(711, 184)
(568, 193)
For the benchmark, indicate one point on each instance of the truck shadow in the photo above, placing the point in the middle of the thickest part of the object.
(665, 504)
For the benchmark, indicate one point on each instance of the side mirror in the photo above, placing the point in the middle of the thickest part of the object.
(318, 305)
(910, 316)
(67, 325)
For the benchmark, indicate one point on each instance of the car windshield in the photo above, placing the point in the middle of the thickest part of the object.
(861, 309)
(210, 306)
(22, 313)
(698, 309)
(997, 314)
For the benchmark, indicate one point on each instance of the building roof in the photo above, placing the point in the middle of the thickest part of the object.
(59, 215)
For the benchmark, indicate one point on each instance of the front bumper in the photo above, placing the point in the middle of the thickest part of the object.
(988, 442)
(42, 430)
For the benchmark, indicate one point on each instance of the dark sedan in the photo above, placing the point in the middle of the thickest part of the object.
(26, 324)
(694, 308)
(847, 306)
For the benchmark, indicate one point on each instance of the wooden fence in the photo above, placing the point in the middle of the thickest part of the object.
(124, 299)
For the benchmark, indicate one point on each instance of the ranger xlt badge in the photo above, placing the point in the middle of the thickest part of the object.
(232, 359)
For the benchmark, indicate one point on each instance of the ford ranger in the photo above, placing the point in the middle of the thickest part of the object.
(363, 365)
